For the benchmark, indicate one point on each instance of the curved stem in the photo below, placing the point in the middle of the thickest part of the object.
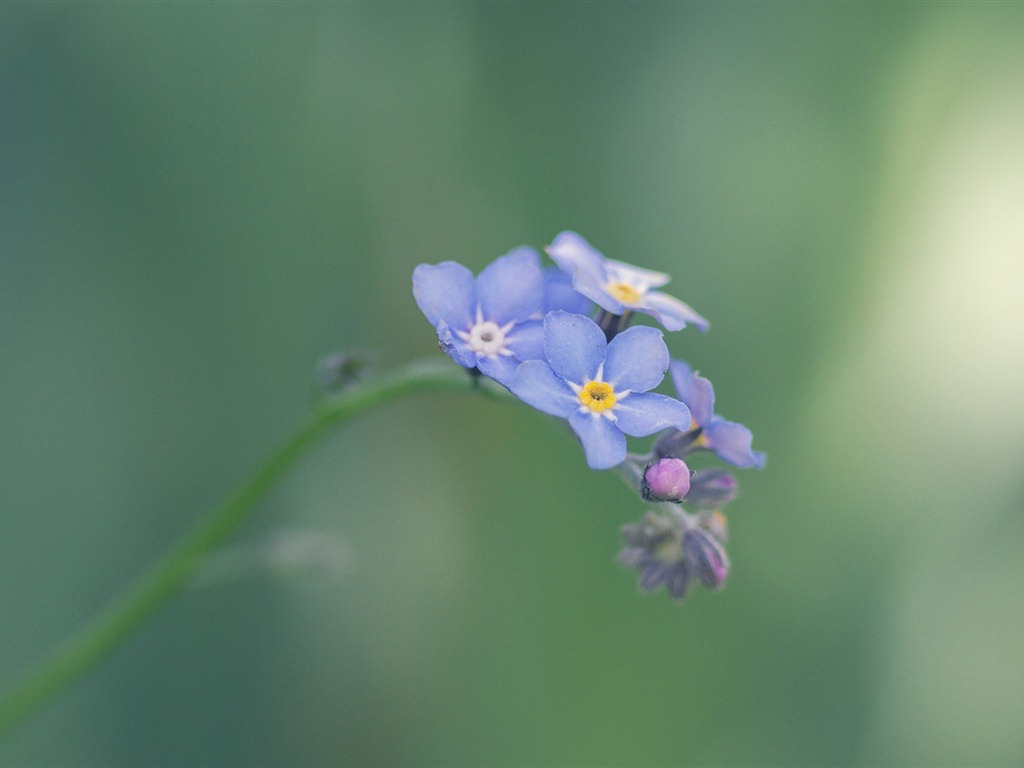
(126, 613)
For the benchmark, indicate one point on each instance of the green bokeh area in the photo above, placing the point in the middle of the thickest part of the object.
(199, 201)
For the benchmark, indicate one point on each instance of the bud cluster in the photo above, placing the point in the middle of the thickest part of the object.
(675, 547)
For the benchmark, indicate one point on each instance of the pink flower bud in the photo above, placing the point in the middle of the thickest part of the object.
(705, 557)
(666, 480)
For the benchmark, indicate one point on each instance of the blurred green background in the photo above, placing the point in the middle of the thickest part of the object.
(201, 200)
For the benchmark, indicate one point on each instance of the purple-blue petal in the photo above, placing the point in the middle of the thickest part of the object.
(498, 367)
(644, 413)
(536, 384)
(604, 445)
(574, 346)
(731, 443)
(694, 390)
(455, 347)
(445, 291)
(636, 359)
(511, 287)
(559, 294)
(671, 312)
(526, 340)
(574, 255)
(585, 265)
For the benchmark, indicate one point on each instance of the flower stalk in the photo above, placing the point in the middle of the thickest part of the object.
(125, 614)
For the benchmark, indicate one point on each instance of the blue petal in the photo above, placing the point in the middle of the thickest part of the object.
(644, 413)
(526, 340)
(637, 359)
(604, 445)
(445, 291)
(731, 443)
(511, 287)
(671, 312)
(574, 346)
(498, 367)
(455, 347)
(585, 264)
(559, 294)
(695, 391)
(536, 384)
(574, 254)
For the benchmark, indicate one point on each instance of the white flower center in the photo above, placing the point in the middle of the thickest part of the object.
(487, 338)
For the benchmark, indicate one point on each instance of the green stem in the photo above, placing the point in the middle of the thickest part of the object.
(125, 614)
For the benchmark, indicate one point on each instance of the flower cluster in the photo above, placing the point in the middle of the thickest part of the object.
(559, 338)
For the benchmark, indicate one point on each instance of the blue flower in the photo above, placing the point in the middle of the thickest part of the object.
(485, 322)
(600, 386)
(618, 287)
(729, 441)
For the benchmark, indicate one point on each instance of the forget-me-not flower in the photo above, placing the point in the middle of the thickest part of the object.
(485, 322)
(730, 441)
(618, 287)
(601, 387)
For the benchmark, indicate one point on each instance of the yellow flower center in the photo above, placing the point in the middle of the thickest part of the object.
(597, 396)
(627, 294)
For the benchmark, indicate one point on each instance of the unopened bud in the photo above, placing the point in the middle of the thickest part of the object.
(705, 557)
(666, 480)
(711, 488)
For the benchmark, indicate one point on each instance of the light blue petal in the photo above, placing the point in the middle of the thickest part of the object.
(694, 390)
(671, 312)
(585, 265)
(644, 413)
(526, 340)
(574, 346)
(498, 367)
(637, 359)
(445, 291)
(731, 443)
(574, 254)
(536, 384)
(455, 347)
(511, 287)
(559, 294)
(604, 445)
